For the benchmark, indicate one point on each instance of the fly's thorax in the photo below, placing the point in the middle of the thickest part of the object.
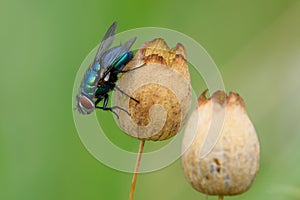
(91, 77)
(106, 78)
(103, 89)
(89, 84)
(89, 89)
(96, 67)
(113, 78)
(84, 104)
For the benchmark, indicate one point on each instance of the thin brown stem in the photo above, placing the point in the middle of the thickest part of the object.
(137, 165)
(221, 197)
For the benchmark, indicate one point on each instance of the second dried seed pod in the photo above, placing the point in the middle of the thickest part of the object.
(231, 164)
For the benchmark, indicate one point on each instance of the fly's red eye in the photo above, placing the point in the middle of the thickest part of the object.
(86, 103)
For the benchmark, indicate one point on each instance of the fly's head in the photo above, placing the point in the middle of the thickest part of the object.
(84, 104)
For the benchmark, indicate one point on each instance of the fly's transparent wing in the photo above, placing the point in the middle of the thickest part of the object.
(127, 45)
(106, 42)
(112, 54)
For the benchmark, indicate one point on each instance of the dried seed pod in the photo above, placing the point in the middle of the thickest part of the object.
(229, 168)
(163, 88)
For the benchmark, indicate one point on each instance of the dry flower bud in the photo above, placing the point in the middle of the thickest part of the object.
(163, 89)
(229, 168)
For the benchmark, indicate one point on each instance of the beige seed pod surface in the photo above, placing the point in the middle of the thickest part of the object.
(162, 86)
(230, 166)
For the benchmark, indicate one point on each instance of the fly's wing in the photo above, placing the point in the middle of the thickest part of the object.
(112, 54)
(106, 42)
(104, 45)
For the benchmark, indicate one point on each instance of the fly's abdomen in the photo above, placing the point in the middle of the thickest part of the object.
(123, 60)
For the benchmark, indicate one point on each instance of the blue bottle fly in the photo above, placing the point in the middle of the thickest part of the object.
(102, 75)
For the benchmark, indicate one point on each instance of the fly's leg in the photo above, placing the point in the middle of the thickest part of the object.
(113, 85)
(98, 100)
(111, 109)
(126, 94)
(129, 70)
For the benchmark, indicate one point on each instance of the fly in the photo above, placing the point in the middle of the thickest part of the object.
(102, 75)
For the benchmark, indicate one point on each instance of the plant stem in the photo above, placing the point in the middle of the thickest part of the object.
(221, 197)
(137, 165)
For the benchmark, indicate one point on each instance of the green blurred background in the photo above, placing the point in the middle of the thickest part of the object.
(255, 44)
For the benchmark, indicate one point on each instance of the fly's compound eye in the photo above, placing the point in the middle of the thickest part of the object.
(85, 105)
